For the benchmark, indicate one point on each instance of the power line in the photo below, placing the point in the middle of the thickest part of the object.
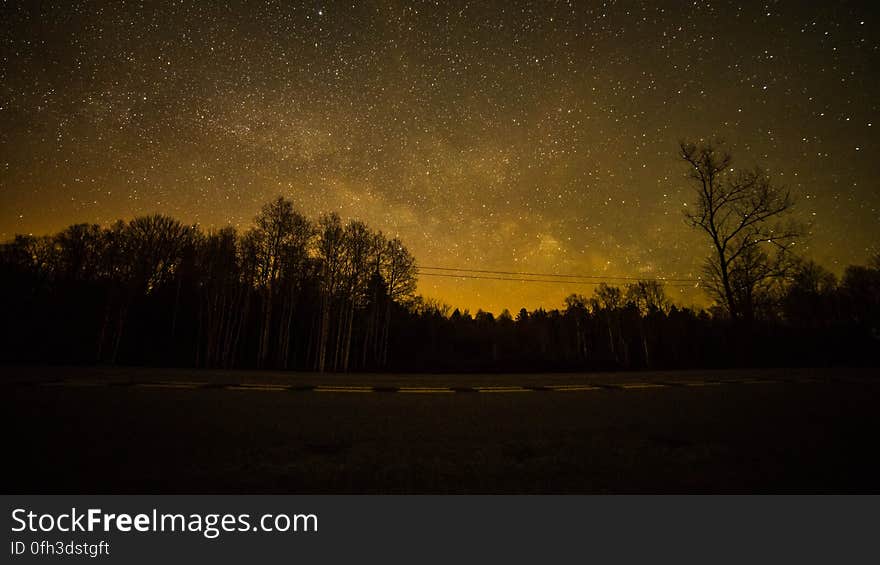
(568, 276)
(513, 279)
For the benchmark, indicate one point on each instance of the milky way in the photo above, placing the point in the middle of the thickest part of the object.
(534, 137)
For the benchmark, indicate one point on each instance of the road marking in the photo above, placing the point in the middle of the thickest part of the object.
(501, 389)
(573, 388)
(425, 390)
(261, 387)
(701, 383)
(642, 385)
(329, 388)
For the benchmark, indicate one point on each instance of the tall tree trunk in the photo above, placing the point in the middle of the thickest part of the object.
(286, 331)
(263, 350)
(324, 334)
(337, 345)
(368, 331)
(346, 354)
(242, 322)
(386, 332)
(611, 338)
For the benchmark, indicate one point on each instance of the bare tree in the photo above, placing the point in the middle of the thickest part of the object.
(357, 241)
(222, 307)
(77, 251)
(400, 276)
(377, 290)
(649, 297)
(576, 307)
(744, 214)
(329, 253)
(281, 237)
(609, 300)
(144, 255)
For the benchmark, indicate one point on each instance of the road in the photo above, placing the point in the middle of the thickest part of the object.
(167, 431)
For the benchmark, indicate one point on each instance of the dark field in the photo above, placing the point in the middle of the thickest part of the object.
(793, 431)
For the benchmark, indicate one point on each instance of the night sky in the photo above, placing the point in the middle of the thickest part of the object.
(535, 137)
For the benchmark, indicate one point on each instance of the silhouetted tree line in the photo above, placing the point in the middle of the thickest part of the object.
(292, 293)
(288, 293)
(810, 319)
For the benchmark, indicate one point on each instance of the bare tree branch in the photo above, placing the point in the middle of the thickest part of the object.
(738, 210)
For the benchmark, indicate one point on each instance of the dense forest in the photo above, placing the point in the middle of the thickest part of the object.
(323, 295)
(287, 293)
(810, 319)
